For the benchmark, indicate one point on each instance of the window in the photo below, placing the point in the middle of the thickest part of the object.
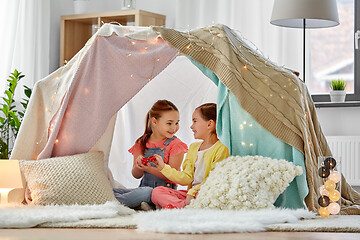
(332, 54)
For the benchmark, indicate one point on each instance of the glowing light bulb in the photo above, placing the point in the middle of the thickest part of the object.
(245, 67)
(323, 191)
(133, 43)
(334, 208)
(187, 47)
(324, 212)
(334, 195)
(335, 176)
(243, 143)
(56, 141)
(330, 162)
(330, 185)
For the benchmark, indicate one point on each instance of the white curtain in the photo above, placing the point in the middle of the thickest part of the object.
(252, 20)
(24, 41)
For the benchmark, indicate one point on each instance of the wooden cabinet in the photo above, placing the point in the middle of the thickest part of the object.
(77, 29)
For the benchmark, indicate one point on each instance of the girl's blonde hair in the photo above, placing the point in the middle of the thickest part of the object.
(156, 111)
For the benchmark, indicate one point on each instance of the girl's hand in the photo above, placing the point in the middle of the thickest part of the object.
(138, 164)
(159, 162)
(188, 199)
(141, 165)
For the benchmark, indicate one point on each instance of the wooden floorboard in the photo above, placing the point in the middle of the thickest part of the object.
(114, 234)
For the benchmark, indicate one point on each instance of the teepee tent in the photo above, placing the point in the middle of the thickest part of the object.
(263, 109)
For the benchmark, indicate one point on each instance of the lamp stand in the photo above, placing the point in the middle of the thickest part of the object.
(11, 195)
(304, 27)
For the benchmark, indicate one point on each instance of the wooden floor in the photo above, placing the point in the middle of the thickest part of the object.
(114, 234)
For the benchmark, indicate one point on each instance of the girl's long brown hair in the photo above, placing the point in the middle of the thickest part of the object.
(156, 111)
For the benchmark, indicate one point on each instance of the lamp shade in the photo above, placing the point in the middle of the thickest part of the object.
(10, 175)
(317, 13)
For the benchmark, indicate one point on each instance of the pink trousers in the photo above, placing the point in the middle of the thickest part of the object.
(163, 196)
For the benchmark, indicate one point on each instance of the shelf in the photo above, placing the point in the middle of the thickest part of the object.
(77, 29)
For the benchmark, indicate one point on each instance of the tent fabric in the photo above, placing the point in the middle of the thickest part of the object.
(272, 95)
(241, 135)
(98, 90)
(49, 92)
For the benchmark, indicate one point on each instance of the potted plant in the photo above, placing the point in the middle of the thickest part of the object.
(10, 117)
(337, 93)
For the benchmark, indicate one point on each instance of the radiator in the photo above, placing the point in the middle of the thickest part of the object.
(347, 149)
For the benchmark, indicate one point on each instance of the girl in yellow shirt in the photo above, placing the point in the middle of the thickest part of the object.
(199, 161)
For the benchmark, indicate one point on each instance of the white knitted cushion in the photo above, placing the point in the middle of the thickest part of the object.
(77, 179)
(242, 183)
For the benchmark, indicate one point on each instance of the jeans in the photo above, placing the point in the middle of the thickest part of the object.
(133, 197)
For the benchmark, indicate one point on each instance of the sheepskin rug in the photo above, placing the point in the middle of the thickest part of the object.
(245, 183)
(31, 216)
(216, 221)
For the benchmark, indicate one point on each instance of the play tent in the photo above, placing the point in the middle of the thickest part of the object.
(99, 99)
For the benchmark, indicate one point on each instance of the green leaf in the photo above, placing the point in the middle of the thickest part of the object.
(27, 91)
(9, 94)
(6, 100)
(5, 110)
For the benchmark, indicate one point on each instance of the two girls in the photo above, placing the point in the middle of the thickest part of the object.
(200, 160)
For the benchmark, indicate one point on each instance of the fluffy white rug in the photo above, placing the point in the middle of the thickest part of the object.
(123, 221)
(30, 216)
(216, 221)
(341, 223)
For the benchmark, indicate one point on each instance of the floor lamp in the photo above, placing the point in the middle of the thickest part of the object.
(305, 14)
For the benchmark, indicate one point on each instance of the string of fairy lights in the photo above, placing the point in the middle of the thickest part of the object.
(329, 187)
(59, 74)
(240, 48)
(265, 62)
(332, 207)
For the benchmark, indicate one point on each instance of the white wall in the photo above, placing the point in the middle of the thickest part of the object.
(66, 7)
(340, 121)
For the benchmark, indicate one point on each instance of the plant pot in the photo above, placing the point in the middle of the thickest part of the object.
(337, 96)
